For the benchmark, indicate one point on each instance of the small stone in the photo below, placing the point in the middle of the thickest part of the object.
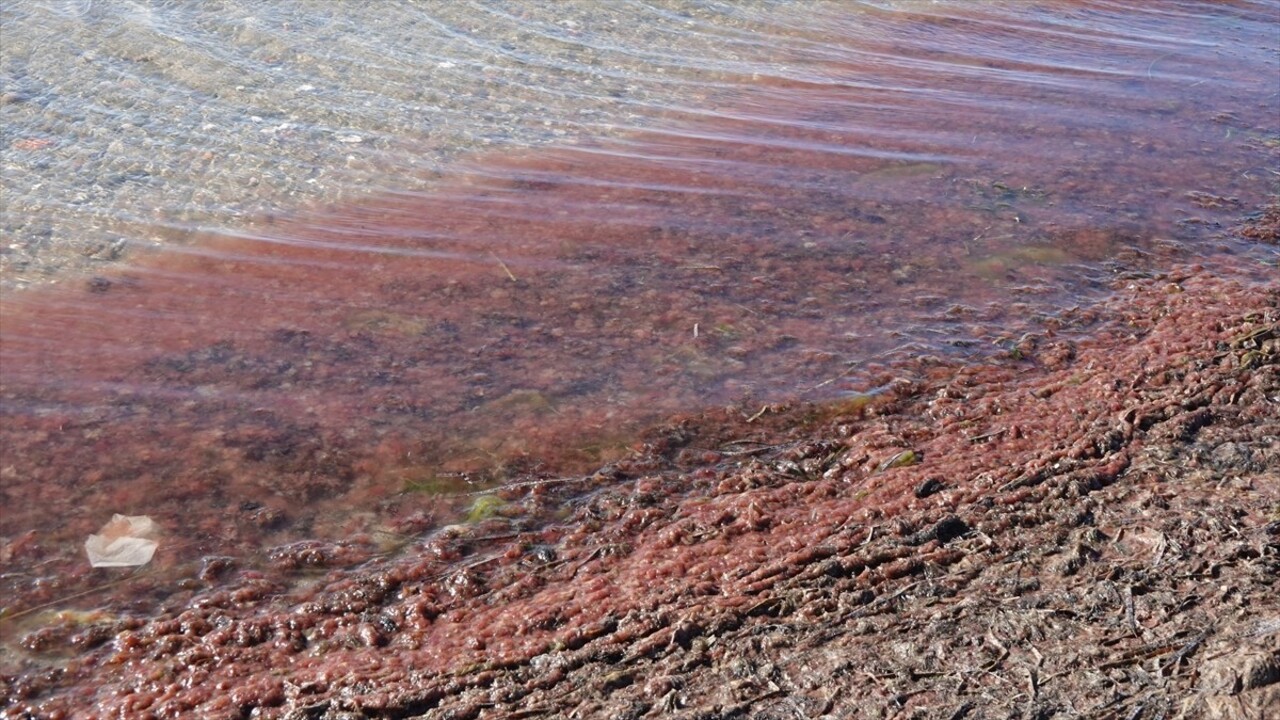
(950, 528)
(928, 487)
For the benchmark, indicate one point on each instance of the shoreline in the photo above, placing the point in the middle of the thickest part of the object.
(1087, 527)
(494, 442)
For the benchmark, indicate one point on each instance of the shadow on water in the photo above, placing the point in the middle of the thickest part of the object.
(910, 183)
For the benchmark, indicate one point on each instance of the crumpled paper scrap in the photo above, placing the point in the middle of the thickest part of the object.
(126, 541)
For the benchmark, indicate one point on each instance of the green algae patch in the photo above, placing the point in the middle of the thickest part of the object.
(433, 484)
(485, 507)
(854, 403)
(696, 363)
(995, 196)
(531, 401)
(387, 323)
(907, 170)
(906, 458)
(994, 267)
(725, 330)
(438, 481)
(848, 405)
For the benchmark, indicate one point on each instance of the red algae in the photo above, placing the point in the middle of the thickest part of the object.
(306, 405)
(657, 560)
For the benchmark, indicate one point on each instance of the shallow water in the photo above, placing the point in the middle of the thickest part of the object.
(130, 123)
(779, 204)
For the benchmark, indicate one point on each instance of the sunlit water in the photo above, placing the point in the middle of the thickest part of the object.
(369, 254)
(129, 123)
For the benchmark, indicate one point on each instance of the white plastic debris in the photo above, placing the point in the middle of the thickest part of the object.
(126, 541)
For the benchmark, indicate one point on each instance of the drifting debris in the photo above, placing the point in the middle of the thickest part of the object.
(126, 541)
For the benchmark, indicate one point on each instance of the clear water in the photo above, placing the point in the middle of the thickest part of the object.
(285, 271)
(132, 123)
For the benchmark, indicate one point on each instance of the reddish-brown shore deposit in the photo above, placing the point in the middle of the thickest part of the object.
(1084, 528)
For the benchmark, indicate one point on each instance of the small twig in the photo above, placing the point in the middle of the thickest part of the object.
(759, 448)
(73, 596)
(766, 605)
(531, 712)
(1130, 612)
(505, 269)
(752, 451)
(1138, 655)
(1004, 653)
(522, 485)
(871, 535)
(594, 554)
(1153, 64)
(865, 610)
(841, 376)
(988, 436)
(746, 441)
(1186, 650)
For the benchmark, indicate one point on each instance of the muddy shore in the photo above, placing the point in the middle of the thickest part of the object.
(1087, 527)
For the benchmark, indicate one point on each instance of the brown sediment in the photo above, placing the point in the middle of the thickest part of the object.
(1087, 528)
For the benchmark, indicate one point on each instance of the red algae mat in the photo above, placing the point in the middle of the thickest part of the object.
(913, 185)
(1138, 466)
(456, 454)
